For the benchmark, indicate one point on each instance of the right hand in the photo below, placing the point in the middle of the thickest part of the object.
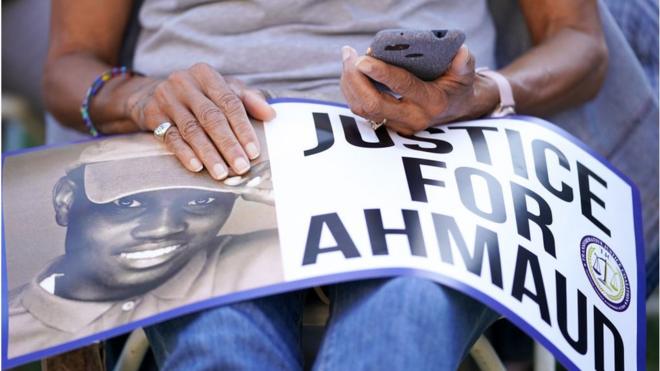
(255, 186)
(209, 114)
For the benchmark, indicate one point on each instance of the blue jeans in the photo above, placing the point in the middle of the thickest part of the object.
(395, 324)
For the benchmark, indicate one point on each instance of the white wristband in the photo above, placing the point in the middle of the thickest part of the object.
(507, 105)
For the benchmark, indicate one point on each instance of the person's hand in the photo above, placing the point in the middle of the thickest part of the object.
(457, 94)
(209, 114)
(255, 186)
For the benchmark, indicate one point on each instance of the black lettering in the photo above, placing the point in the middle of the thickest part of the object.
(600, 322)
(353, 136)
(539, 149)
(586, 196)
(324, 135)
(517, 153)
(464, 176)
(524, 216)
(485, 240)
(412, 230)
(344, 242)
(580, 345)
(413, 168)
(524, 259)
(476, 133)
(439, 146)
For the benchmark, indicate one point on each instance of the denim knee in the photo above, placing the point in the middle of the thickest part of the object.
(250, 335)
(418, 323)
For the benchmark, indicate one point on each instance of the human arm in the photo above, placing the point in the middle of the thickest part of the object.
(210, 111)
(565, 67)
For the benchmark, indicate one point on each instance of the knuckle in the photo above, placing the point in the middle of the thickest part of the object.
(200, 67)
(178, 76)
(151, 109)
(243, 130)
(228, 144)
(206, 149)
(161, 91)
(406, 131)
(405, 83)
(357, 110)
(189, 128)
(210, 113)
(173, 140)
(379, 73)
(419, 121)
(418, 126)
(230, 104)
(371, 107)
(184, 81)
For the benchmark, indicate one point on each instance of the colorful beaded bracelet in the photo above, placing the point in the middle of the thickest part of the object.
(94, 89)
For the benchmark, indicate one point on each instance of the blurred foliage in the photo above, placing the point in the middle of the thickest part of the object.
(22, 126)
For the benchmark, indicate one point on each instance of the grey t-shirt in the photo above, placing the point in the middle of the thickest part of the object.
(292, 47)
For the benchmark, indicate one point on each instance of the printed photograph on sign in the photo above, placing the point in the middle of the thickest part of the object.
(122, 232)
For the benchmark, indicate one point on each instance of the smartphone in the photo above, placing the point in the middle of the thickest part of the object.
(425, 53)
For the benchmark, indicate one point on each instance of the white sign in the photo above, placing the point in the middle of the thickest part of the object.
(514, 212)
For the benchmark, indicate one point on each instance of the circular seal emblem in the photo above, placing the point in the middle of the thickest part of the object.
(605, 273)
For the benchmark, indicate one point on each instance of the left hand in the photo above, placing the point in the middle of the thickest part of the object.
(458, 94)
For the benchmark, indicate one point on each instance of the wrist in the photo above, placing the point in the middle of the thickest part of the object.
(134, 97)
(486, 96)
(109, 109)
(506, 104)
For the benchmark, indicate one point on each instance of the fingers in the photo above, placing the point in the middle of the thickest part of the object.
(211, 118)
(230, 106)
(365, 100)
(397, 79)
(422, 103)
(192, 133)
(264, 196)
(217, 128)
(254, 100)
(461, 67)
(174, 141)
(182, 150)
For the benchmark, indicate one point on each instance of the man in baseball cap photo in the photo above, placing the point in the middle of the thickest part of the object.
(142, 236)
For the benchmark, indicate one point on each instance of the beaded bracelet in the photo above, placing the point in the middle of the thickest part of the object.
(94, 89)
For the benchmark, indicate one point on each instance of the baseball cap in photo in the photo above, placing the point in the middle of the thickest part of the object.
(130, 164)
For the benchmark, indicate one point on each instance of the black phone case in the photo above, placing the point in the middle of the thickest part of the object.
(425, 53)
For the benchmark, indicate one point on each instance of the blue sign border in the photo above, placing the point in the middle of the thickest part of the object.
(365, 274)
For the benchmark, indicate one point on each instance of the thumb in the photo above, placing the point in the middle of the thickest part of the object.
(256, 105)
(463, 63)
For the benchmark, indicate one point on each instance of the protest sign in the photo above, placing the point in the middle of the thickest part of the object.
(513, 212)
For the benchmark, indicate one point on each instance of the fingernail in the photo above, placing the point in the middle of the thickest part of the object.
(271, 114)
(465, 67)
(252, 151)
(241, 165)
(363, 65)
(195, 165)
(466, 50)
(220, 171)
(345, 52)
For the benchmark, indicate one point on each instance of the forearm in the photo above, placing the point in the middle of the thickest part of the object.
(66, 81)
(565, 70)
